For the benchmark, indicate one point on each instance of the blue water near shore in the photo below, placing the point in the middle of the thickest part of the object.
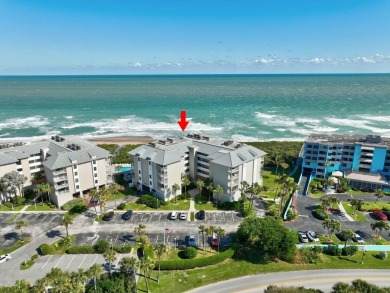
(244, 107)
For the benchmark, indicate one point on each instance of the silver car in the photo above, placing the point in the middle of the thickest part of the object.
(302, 237)
(4, 258)
(312, 236)
(357, 238)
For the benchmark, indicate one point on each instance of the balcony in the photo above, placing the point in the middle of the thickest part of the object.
(60, 178)
(366, 161)
(63, 171)
(365, 166)
(368, 154)
(367, 148)
(62, 192)
(61, 186)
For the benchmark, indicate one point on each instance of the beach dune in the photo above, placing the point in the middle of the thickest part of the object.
(122, 140)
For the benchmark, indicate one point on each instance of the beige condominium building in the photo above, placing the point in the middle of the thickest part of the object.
(71, 165)
(159, 165)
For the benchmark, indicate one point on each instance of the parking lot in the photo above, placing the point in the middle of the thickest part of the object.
(9, 235)
(211, 218)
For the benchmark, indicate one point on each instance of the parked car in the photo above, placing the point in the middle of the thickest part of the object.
(387, 213)
(302, 237)
(127, 215)
(183, 216)
(108, 216)
(357, 238)
(191, 240)
(214, 241)
(173, 216)
(201, 215)
(93, 202)
(312, 236)
(379, 215)
(4, 258)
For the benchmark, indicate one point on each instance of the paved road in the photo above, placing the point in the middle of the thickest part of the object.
(321, 279)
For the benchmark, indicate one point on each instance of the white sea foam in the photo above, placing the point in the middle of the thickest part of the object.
(376, 118)
(23, 123)
(299, 130)
(316, 128)
(360, 124)
(281, 129)
(307, 120)
(69, 117)
(244, 138)
(263, 115)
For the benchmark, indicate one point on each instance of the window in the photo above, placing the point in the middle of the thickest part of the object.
(76, 180)
(94, 168)
(75, 167)
(94, 161)
(150, 182)
(150, 176)
(95, 175)
(96, 181)
(77, 186)
(139, 160)
(75, 173)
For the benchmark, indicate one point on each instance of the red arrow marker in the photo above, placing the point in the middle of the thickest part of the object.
(183, 122)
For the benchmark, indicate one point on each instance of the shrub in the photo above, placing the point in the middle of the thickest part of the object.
(81, 249)
(317, 249)
(65, 241)
(46, 249)
(190, 252)
(35, 256)
(122, 206)
(150, 201)
(122, 249)
(70, 204)
(26, 265)
(149, 251)
(320, 214)
(78, 208)
(102, 246)
(349, 250)
(291, 214)
(309, 255)
(333, 250)
(383, 255)
(185, 264)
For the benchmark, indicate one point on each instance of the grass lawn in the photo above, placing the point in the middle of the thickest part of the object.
(181, 281)
(18, 244)
(4, 208)
(370, 206)
(58, 249)
(349, 209)
(317, 194)
(201, 203)
(40, 207)
(181, 205)
(12, 218)
(269, 181)
(324, 239)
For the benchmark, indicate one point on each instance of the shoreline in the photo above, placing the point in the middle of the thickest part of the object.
(122, 140)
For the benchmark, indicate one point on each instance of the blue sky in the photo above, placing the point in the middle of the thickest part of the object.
(194, 36)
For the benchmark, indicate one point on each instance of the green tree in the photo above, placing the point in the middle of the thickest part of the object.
(190, 252)
(95, 272)
(9, 183)
(22, 286)
(221, 234)
(200, 185)
(357, 204)
(334, 201)
(175, 188)
(326, 224)
(202, 229)
(113, 190)
(130, 265)
(140, 230)
(279, 243)
(110, 257)
(185, 182)
(218, 190)
(334, 226)
(277, 160)
(341, 287)
(20, 225)
(346, 235)
(209, 187)
(144, 243)
(78, 280)
(94, 196)
(38, 191)
(379, 226)
(379, 194)
(325, 203)
(46, 188)
(160, 249)
(66, 221)
(146, 264)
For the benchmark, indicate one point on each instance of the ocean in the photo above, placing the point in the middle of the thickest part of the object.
(242, 107)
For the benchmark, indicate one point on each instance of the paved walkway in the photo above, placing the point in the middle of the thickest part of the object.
(192, 193)
(344, 213)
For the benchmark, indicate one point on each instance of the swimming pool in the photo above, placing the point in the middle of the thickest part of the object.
(123, 169)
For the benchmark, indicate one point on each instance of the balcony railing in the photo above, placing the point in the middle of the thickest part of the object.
(62, 191)
(63, 171)
(60, 178)
(61, 186)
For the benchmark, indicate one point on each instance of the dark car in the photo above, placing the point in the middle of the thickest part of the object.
(127, 215)
(387, 213)
(191, 240)
(201, 215)
(93, 202)
(379, 215)
(108, 216)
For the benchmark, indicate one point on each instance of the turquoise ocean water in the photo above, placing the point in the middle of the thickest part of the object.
(244, 107)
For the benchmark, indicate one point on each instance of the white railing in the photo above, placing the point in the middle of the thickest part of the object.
(63, 171)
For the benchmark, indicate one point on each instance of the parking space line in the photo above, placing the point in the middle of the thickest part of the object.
(156, 240)
(114, 217)
(223, 216)
(17, 218)
(6, 220)
(83, 260)
(36, 217)
(47, 262)
(4, 243)
(232, 217)
(214, 216)
(115, 240)
(59, 261)
(70, 261)
(142, 215)
(56, 215)
(95, 259)
(151, 216)
(45, 217)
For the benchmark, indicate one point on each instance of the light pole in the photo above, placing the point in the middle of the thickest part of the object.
(175, 242)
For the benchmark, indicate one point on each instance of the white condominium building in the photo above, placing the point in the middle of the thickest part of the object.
(159, 165)
(69, 164)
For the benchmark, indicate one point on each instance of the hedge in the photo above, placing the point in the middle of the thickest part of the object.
(151, 201)
(186, 264)
(122, 249)
(102, 246)
(81, 249)
(46, 249)
(122, 206)
(320, 214)
(70, 204)
(349, 250)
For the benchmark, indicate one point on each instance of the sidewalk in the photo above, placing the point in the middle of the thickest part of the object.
(344, 213)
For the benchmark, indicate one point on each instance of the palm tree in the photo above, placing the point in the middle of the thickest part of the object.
(185, 182)
(325, 203)
(218, 190)
(140, 230)
(160, 250)
(202, 229)
(59, 280)
(94, 272)
(110, 257)
(175, 188)
(244, 188)
(284, 166)
(130, 264)
(333, 201)
(210, 188)
(94, 196)
(277, 160)
(20, 225)
(379, 194)
(144, 242)
(379, 226)
(46, 188)
(221, 234)
(114, 188)
(38, 190)
(334, 226)
(255, 190)
(199, 184)
(346, 235)
(146, 264)
(66, 221)
(78, 280)
(357, 204)
(23, 286)
(326, 224)
(20, 180)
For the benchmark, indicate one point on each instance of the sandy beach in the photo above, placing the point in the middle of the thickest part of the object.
(122, 140)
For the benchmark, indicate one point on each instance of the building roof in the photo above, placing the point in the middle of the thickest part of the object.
(374, 178)
(172, 150)
(374, 140)
(6, 160)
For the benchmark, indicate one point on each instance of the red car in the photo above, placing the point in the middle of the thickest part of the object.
(214, 242)
(381, 216)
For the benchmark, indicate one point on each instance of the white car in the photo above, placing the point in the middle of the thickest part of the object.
(173, 215)
(183, 216)
(302, 237)
(357, 238)
(312, 236)
(5, 257)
